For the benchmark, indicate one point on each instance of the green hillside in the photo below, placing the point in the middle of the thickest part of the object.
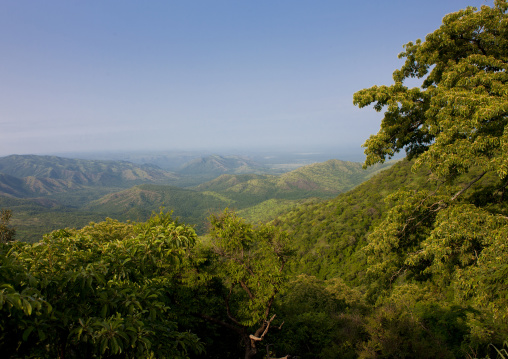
(259, 197)
(216, 165)
(139, 202)
(323, 180)
(329, 234)
(59, 192)
(35, 217)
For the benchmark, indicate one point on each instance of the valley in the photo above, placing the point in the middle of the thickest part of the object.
(49, 192)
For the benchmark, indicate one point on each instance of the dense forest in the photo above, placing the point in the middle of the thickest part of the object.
(411, 263)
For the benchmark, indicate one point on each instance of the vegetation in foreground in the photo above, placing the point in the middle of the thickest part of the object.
(421, 273)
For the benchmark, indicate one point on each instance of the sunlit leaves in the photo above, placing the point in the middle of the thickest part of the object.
(252, 262)
(7, 232)
(458, 117)
(454, 236)
(99, 291)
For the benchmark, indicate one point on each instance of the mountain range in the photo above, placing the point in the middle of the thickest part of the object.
(48, 192)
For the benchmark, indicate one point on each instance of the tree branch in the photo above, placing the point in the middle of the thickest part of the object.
(476, 179)
(246, 289)
(266, 327)
(222, 323)
(228, 310)
(269, 304)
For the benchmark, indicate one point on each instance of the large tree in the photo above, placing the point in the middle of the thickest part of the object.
(456, 125)
(236, 278)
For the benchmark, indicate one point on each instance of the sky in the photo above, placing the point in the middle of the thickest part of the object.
(126, 75)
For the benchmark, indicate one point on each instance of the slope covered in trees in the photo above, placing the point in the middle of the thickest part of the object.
(324, 180)
(44, 174)
(64, 203)
(329, 235)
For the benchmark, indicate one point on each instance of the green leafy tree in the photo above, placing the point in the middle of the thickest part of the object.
(96, 292)
(455, 125)
(242, 271)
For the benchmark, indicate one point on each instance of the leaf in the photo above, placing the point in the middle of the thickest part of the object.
(27, 332)
(104, 345)
(27, 308)
(42, 335)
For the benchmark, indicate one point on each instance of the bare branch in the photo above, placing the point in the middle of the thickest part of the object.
(267, 326)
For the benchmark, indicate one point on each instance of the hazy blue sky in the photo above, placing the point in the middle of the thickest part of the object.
(188, 74)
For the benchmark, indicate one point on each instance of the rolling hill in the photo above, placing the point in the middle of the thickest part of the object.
(323, 180)
(48, 192)
(50, 174)
(266, 195)
(139, 202)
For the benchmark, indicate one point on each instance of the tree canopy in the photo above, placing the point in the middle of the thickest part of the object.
(457, 119)
(100, 291)
(454, 233)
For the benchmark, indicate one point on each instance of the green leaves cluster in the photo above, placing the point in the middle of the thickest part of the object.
(99, 291)
(252, 260)
(457, 118)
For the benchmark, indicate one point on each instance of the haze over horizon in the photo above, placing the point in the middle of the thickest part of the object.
(165, 75)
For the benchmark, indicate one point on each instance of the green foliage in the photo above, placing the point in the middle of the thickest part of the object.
(252, 260)
(453, 233)
(501, 353)
(232, 281)
(269, 209)
(329, 235)
(323, 319)
(99, 291)
(7, 233)
(414, 323)
(457, 117)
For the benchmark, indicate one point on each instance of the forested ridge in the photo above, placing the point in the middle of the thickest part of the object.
(412, 263)
(126, 191)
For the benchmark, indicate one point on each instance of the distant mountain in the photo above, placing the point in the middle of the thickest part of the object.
(323, 180)
(44, 175)
(12, 186)
(216, 165)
